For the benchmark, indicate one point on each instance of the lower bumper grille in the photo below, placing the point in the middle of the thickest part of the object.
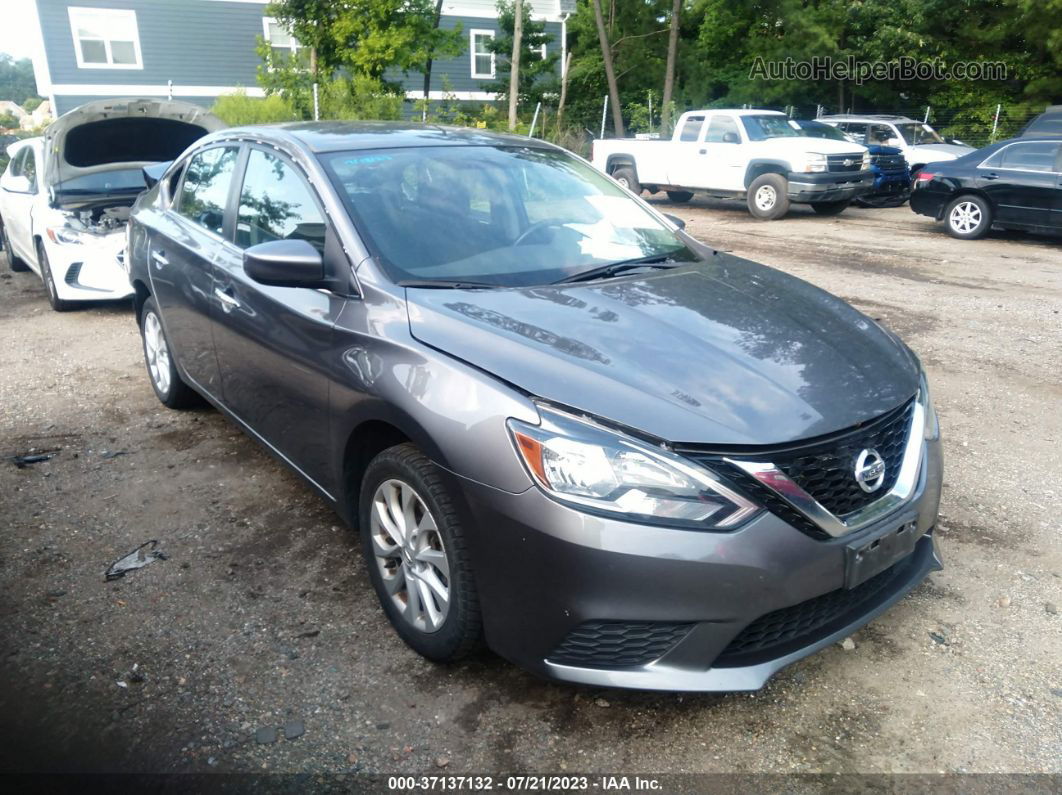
(618, 644)
(783, 631)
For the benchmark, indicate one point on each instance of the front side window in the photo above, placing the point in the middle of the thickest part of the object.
(276, 204)
(916, 134)
(760, 128)
(691, 128)
(499, 215)
(14, 168)
(1037, 156)
(856, 131)
(105, 38)
(205, 190)
(718, 129)
(29, 169)
(482, 57)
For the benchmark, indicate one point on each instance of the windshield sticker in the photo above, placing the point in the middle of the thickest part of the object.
(365, 160)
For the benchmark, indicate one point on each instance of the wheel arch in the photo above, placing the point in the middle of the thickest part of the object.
(980, 194)
(620, 160)
(140, 297)
(757, 168)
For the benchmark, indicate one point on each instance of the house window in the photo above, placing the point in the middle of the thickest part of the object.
(282, 44)
(105, 38)
(482, 57)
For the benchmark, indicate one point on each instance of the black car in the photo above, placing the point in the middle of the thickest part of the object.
(1014, 184)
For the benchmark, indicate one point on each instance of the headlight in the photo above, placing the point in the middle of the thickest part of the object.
(578, 462)
(63, 235)
(866, 160)
(932, 427)
(815, 162)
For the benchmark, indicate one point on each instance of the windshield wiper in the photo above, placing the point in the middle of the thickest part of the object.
(662, 261)
(444, 284)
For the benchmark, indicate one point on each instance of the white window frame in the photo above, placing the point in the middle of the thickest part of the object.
(77, 13)
(266, 22)
(472, 34)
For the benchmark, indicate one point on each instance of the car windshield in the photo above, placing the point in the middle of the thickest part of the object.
(760, 128)
(814, 129)
(123, 180)
(507, 216)
(916, 133)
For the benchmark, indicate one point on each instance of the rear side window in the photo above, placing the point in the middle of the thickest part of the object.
(205, 190)
(1039, 156)
(276, 203)
(856, 132)
(691, 129)
(719, 127)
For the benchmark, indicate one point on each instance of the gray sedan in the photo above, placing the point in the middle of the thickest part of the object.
(564, 428)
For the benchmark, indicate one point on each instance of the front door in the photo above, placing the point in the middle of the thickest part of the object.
(272, 342)
(19, 186)
(1021, 182)
(719, 157)
(683, 166)
(183, 247)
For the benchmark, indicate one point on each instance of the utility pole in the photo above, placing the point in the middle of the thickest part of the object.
(514, 73)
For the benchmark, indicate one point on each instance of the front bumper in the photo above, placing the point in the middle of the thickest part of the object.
(829, 186)
(544, 570)
(891, 184)
(91, 270)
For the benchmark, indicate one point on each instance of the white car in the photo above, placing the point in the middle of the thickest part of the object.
(756, 155)
(65, 197)
(919, 142)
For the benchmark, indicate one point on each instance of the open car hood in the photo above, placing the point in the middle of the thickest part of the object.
(114, 134)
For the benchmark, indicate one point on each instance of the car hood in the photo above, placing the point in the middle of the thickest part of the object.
(116, 134)
(800, 144)
(727, 352)
(930, 153)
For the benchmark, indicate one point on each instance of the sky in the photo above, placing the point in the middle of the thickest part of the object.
(15, 37)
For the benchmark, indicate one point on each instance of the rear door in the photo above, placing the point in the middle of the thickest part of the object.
(19, 187)
(273, 342)
(183, 249)
(1021, 182)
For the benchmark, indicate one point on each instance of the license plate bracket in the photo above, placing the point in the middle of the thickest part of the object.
(865, 558)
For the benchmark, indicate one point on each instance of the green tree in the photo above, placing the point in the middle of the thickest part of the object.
(16, 79)
(537, 75)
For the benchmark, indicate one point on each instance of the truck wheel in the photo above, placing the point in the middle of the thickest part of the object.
(768, 197)
(830, 208)
(679, 196)
(626, 177)
(968, 217)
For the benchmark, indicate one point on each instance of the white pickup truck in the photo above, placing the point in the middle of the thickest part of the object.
(756, 155)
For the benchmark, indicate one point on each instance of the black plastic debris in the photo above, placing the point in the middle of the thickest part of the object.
(108, 454)
(137, 559)
(23, 461)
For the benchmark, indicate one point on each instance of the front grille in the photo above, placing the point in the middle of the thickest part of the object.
(784, 631)
(889, 162)
(837, 162)
(618, 644)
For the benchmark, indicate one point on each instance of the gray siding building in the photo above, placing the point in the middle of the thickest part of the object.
(198, 50)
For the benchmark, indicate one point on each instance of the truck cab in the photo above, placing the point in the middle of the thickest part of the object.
(756, 155)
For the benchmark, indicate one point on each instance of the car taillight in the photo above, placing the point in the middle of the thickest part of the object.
(924, 176)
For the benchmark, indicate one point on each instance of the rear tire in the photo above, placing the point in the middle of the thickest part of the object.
(415, 551)
(679, 196)
(171, 391)
(626, 177)
(830, 208)
(768, 197)
(968, 217)
(58, 304)
(13, 262)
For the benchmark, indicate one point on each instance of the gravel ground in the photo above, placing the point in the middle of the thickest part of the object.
(257, 644)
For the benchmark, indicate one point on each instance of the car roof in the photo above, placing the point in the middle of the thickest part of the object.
(867, 117)
(739, 111)
(337, 136)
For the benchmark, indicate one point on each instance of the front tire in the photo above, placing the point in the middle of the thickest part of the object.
(626, 177)
(679, 196)
(768, 197)
(414, 548)
(13, 262)
(57, 303)
(171, 391)
(968, 217)
(830, 208)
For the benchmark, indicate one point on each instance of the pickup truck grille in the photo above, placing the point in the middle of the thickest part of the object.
(889, 162)
(852, 162)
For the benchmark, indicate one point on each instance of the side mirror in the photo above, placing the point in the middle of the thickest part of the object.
(285, 263)
(19, 184)
(675, 220)
(731, 138)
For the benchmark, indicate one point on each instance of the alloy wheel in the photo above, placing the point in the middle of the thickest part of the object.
(965, 217)
(157, 353)
(765, 197)
(409, 552)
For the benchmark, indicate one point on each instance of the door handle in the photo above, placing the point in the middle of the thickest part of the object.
(160, 259)
(992, 176)
(703, 151)
(228, 300)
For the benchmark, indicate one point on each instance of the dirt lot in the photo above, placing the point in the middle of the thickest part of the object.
(261, 615)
